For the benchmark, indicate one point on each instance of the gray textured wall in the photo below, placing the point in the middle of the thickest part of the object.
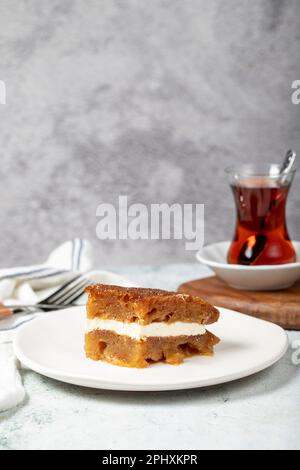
(146, 98)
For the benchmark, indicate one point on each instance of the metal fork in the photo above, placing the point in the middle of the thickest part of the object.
(63, 297)
(69, 292)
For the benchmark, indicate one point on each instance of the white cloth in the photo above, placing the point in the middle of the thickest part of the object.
(29, 285)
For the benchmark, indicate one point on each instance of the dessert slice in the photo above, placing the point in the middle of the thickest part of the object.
(134, 327)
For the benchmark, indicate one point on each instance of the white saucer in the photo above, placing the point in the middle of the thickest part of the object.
(280, 276)
(52, 345)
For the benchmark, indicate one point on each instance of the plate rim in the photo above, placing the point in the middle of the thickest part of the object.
(112, 384)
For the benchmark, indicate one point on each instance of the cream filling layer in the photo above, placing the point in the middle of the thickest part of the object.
(137, 331)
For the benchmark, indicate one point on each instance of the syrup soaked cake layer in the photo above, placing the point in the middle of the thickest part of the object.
(122, 350)
(147, 305)
(133, 327)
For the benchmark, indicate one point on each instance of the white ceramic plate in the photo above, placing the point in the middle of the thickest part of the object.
(280, 276)
(53, 346)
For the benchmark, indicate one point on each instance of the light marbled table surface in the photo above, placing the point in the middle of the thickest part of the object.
(262, 411)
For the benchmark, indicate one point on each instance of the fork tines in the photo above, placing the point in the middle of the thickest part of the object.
(70, 291)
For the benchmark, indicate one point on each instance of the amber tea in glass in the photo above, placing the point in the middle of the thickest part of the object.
(261, 235)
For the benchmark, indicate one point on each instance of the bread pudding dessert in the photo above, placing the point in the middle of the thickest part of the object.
(134, 327)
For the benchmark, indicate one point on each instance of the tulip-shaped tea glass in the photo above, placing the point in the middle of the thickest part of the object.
(261, 235)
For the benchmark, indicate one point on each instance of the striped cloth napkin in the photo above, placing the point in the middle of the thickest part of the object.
(29, 285)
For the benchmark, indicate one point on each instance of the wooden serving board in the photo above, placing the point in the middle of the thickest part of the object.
(281, 307)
